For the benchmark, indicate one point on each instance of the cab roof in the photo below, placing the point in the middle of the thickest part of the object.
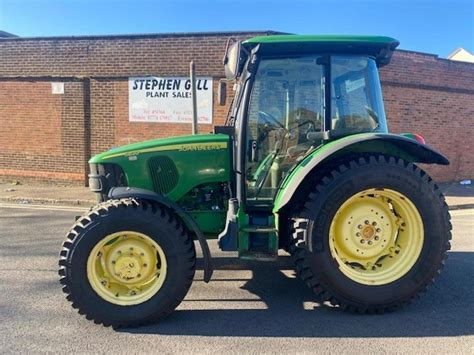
(380, 47)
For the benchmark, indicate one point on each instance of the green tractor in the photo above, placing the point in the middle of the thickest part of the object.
(304, 163)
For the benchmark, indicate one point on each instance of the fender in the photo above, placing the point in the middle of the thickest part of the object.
(117, 193)
(390, 144)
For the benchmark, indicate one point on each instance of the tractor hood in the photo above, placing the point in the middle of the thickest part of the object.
(171, 167)
(199, 142)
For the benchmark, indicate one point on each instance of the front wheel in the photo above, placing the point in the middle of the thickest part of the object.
(127, 263)
(372, 235)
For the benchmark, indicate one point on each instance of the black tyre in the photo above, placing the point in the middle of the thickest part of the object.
(372, 235)
(127, 263)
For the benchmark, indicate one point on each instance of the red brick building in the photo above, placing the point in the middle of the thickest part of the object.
(50, 136)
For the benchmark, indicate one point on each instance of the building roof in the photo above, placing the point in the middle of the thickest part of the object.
(461, 55)
(378, 46)
(4, 34)
(145, 35)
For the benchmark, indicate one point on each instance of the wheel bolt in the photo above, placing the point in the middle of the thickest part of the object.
(119, 252)
(103, 282)
(138, 275)
(142, 254)
(366, 222)
(374, 223)
(362, 241)
(378, 230)
(376, 237)
(359, 226)
(131, 248)
(370, 242)
(132, 293)
(113, 261)
(145, 265)
(358, 234)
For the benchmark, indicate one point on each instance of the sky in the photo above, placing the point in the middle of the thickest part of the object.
(432, 26)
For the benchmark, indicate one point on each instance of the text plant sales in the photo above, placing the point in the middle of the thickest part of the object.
(161, 87)
(168, 99)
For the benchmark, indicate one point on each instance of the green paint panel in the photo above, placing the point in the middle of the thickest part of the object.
(379, 47)
(198, 159)
(377, 40)
(211, 222)
(378, 146)
(243, 238)
(157, 145)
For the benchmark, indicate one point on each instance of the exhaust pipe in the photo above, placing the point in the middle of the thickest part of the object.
(192, 74)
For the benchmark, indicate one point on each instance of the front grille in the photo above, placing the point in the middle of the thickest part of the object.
(163, 174)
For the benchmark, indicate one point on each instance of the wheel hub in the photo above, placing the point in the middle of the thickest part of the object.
(376, 236)
(127, 267)
(368, 232)
(364, 230)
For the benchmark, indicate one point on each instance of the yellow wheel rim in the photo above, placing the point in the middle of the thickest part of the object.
(126, 268)
(376, 236)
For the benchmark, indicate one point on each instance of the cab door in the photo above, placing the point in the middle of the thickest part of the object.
(286, 103)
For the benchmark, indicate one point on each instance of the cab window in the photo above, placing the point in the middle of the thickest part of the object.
(286, 103)
(356, 98)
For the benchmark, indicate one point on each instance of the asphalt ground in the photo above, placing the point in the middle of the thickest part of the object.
(248, 307)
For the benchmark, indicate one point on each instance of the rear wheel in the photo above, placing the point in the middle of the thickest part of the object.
(127, 263)
(372, 235)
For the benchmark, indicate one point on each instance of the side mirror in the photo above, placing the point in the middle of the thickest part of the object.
(222, 93)
(232, 59)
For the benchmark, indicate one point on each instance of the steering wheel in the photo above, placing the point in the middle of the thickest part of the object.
(268, 118)
(373, 116)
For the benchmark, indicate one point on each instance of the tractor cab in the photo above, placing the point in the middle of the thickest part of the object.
(294, 94)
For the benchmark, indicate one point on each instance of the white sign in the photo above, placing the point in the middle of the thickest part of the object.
(354, 85)
(57, 88)
(155, 99)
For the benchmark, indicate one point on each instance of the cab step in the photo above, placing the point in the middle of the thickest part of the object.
(259, 241)
(259, 229)
(260, 256)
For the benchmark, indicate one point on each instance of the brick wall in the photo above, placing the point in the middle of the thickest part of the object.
(50, 137)
(42, 135)
(435, 98)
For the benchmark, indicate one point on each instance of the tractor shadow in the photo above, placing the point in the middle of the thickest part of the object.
(292, 311)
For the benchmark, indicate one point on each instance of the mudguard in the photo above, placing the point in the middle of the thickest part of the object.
(142, 194)
(385, 143)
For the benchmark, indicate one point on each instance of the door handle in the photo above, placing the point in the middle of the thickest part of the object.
(253, 151)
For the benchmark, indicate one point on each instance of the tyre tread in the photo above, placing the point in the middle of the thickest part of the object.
(102, 210)
(298, 248)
